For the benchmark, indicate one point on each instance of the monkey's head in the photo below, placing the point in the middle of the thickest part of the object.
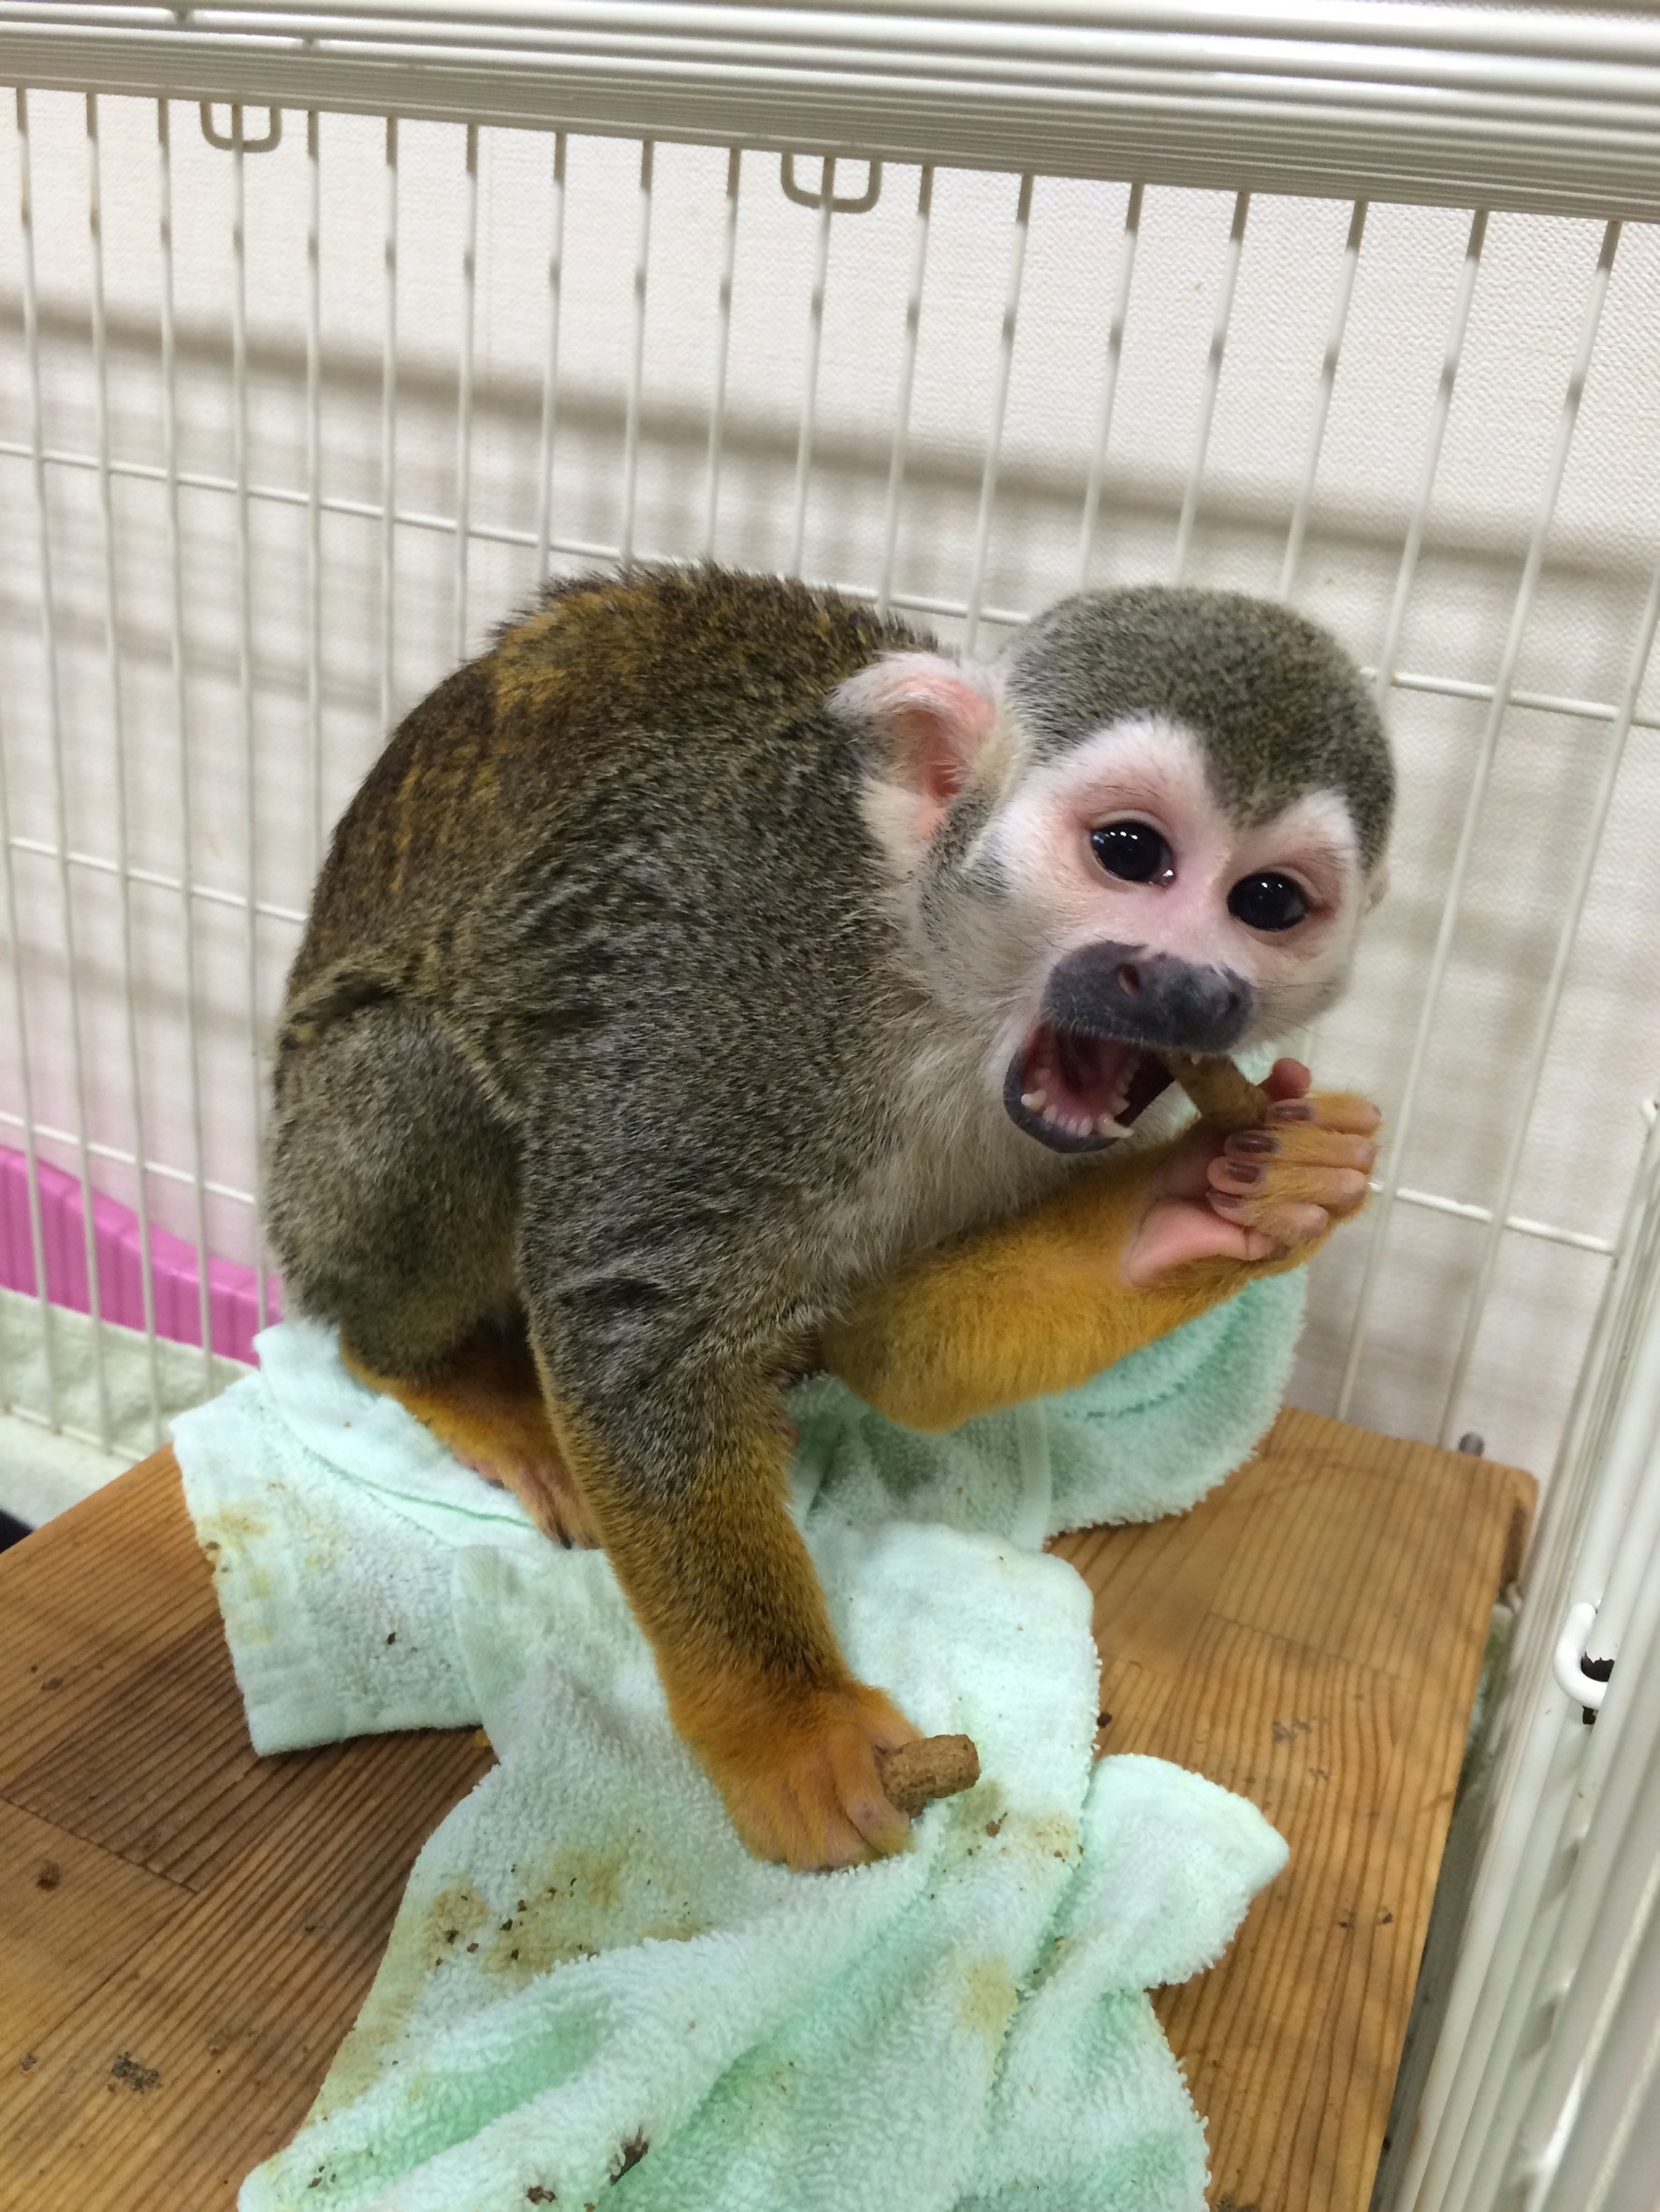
(1153, 825)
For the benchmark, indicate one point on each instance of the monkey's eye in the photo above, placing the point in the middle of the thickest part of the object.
(1268, 902)
(1133, 850)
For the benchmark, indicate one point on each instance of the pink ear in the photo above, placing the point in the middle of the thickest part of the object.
(937, 715)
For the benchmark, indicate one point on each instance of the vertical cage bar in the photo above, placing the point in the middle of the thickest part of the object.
(313, 474)
(389, 430)
(723, 348)
(810, 386)
(1322, 407)
(1586, 1510)
(1567, 936)
(1388, 655)
(464, 394)
(1606, 1885)
(913, 324)
(993, 442)
(556, 258)
(118, 806)
(1453, 900)
(637, 366)
(1213, 378)
(1451, 360)
(1607, 2158)
(193, 1054)
(1592, 1858)
(1103, 428)
(59, 787)
(26, 1082)
(238, 372)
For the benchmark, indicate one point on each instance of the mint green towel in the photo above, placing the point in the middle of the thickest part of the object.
(592, 1992)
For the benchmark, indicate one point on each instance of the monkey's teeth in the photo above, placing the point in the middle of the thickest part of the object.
(1034, 1102)
(1108, 1127)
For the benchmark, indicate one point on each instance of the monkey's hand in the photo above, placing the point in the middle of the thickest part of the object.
(1262, 1194)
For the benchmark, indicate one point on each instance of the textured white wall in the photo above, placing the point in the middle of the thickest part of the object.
(1530, 298)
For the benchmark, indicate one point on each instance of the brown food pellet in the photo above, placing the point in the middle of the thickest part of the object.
(933, 1767)
(1225, 1097)
(49, 1875)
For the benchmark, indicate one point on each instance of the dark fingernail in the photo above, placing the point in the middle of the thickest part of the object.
(1228, 1197)
(1253, 1141)
(1293, 1110)
(1241, 1170)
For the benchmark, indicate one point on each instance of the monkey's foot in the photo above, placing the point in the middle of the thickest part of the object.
(486, 1406)
(800, 1777)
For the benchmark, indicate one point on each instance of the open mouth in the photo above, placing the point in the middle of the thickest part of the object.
(1078, 1092)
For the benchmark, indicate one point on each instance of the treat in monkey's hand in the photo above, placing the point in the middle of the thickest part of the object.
(1225, 1097)
(932, 1767)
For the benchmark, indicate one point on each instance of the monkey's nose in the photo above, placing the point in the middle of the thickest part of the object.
(1152, 998)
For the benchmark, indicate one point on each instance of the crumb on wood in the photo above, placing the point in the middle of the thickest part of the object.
(48, 1874)
(132, 2075)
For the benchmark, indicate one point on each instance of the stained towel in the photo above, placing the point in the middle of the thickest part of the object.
(332, 1517)
(592, 1992)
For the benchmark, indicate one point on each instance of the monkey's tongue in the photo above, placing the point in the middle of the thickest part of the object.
(1076, 1092)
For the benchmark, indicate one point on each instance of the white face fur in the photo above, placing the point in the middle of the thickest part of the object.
(1109, 905)
(1149, 774)
(1123, 842)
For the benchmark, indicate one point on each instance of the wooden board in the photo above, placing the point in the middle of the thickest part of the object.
(186, 1930)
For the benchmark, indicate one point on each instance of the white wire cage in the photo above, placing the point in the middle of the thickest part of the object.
(335, 327)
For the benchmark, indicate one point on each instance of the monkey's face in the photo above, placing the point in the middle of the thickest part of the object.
(1094, 872)
(1154, 921)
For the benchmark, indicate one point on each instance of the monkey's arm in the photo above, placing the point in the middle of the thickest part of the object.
(1117, 1259)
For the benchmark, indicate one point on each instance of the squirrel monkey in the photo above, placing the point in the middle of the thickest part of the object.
(714, 980)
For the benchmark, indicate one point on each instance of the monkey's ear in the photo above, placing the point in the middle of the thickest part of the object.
(934, 717)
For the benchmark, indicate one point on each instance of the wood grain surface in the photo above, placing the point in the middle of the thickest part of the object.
(186, 1931)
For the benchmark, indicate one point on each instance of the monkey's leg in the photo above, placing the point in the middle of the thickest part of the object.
(487, 1404)
(687, 1482)
(393, 1198)
(1044, 1302)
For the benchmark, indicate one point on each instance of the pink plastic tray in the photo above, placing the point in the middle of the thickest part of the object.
(233, 1308)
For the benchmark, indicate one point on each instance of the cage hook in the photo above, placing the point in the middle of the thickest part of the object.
(1585, 1681)
(853, 204)
(236, 140)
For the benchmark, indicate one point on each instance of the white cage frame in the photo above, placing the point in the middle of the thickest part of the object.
(1543, 2091)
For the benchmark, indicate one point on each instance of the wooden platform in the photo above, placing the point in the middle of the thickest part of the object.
(186, 1931)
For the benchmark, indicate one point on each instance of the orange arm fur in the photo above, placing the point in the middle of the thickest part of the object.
(1036, 1305)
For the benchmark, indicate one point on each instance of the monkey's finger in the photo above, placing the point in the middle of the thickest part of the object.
(864, 1801)
(1286, 1079)
(1329, 1109)
(1306, 1143)
(1289, 1182)
(1284, 1225)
